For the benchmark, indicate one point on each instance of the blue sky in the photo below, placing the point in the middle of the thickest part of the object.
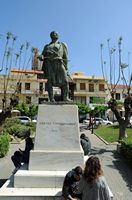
(82, 24)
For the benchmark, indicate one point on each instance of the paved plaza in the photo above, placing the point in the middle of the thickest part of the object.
(6, 165)
(117, 172)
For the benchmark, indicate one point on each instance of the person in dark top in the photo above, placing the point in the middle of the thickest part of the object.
(22, 156)
(70, 184)
(85, 143)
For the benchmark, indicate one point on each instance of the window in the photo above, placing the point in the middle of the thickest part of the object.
(19, 87)
(97, 100)
(40, 76)
(27, 86)
(117, 96)
(124, 95)
(82, 86)
(28, 99)
(80, 99)
(75, 86)
(91, 87)
(101, 87)
(41, 88)
(91, 100)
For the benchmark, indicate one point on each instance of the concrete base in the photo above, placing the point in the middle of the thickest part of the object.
(57, 148)
(41, 160)
(39, 179)
(30, 194)
(8, 192)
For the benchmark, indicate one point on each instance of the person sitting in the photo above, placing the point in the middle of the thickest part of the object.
(22, 156)
(70, 184)
(85, 143)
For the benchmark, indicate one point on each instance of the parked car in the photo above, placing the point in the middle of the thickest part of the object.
(34, 119)
(105, 121)
(98, 121)
(83, 126)
(116, 123)
(23, 119)
(131, 120)
(88, 121)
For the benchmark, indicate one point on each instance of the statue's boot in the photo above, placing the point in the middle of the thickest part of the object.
(50, 93)
(65, 90)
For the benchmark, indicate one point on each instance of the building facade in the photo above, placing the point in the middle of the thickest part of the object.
(29, 87)
(89, 90)
(26, 85)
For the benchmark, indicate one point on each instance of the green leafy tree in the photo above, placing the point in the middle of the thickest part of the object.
(23, 108)
(83, 109)
(100, 110)
(28, 110)
(33, 110)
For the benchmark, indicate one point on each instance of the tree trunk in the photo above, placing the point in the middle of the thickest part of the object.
(122, 131)
(122, 122)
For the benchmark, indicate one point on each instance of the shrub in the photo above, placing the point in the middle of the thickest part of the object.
(31, 126)
(4, 145)
(126, 149)
(18, 130)
(10, 121)
(15, 127)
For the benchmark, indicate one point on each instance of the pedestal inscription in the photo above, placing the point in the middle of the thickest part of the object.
(57, 128)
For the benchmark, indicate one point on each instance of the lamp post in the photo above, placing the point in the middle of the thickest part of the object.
(92, 121)
(92, 130)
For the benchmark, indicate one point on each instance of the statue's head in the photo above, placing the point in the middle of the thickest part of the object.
(54, 35)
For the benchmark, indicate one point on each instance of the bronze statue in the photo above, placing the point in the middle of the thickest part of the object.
(54, 57)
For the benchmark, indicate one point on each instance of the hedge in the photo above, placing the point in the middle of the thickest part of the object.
(4, 145)
(126, 149)
(18, 129)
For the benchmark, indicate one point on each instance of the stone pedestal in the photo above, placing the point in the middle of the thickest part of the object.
(56, 150)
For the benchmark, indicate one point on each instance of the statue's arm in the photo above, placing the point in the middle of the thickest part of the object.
(41, 57)
(65, 55)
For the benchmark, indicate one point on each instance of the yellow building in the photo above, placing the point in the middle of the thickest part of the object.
(89, 89)
(29, 86)
(26, 85)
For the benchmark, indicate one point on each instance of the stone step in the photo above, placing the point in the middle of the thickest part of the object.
(41, 160)
(30, 193)
(39, 179)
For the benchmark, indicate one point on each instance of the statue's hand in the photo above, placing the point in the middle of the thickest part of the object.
(67, 72)
(40, 57)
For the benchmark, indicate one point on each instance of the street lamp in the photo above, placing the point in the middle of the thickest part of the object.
(92, 121)
(92, 130)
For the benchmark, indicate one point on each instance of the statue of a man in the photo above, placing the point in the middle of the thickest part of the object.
(54, 57)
